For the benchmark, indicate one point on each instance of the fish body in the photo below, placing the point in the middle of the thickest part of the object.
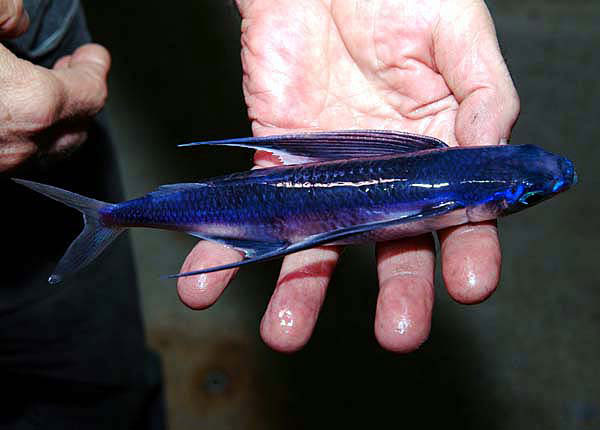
(289, 203)
(382, 192)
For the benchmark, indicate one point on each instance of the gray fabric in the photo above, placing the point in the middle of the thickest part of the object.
(50, 23)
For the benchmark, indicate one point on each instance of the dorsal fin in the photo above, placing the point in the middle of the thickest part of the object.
(333, 145)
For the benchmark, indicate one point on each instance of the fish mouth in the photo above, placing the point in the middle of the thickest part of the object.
(569, 176)
(565, 183)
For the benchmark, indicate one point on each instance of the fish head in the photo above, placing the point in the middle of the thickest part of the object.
(540, 176)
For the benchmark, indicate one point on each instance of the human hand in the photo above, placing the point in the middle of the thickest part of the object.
(42, 111)
(431, 67)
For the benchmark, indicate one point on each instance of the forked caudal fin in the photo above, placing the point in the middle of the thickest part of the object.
(94, 238)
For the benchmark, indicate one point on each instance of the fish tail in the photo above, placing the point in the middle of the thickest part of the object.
(94, 238)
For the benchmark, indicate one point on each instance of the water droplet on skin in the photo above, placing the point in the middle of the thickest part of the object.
(286, 319)
(202, 283)
(403, 325)
(472, 279)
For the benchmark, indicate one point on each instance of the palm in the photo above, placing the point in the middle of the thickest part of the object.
(426, 67)
(317, 72)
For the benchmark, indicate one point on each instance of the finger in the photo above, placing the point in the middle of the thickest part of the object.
(14, 19)
(405, 302)
(474, 69)
(292, 312)
(471, 261)
(67, 141)
(468, 57)
(294, 307)
(63, 62)
(264, 159)
(83, 78)
(201, 291)
(12, 154)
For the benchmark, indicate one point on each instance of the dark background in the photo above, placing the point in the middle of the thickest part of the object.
(526, 358)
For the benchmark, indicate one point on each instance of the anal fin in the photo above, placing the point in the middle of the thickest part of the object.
(251, 248)
(329, 237)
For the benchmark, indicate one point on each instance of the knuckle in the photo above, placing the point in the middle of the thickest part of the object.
(34, 99)
(46, 101)
(514, 105)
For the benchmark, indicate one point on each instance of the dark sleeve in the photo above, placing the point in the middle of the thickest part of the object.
(74, 356)
(56, 29)
(90, 329)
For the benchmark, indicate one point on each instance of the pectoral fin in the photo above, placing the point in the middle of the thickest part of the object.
(333, 145)
(328, 237)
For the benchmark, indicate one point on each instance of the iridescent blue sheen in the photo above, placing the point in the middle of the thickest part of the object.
(398, 185)
(288, 203)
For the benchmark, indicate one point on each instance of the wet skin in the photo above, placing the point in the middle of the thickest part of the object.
(430, 67)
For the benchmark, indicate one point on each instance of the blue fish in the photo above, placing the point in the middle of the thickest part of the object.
(336, 187)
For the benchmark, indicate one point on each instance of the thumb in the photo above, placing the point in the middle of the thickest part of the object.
(475, 71)
(83, 76)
